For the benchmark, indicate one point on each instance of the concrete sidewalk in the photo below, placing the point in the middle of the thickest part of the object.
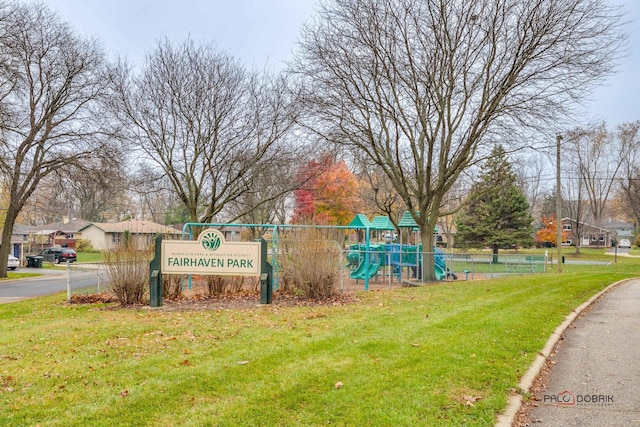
(595, 374)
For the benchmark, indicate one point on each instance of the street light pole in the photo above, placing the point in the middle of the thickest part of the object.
(558, 206)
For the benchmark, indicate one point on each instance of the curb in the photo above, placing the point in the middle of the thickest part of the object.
(507, 418)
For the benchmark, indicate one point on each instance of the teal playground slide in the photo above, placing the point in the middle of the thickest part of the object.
(440, 272)
(375, 262)
(396, 255)
(366, 271)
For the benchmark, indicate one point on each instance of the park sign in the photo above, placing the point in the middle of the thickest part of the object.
(211, 254)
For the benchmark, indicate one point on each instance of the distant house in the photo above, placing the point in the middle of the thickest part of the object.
(621, 229)
(19, 237)
(108, 235)
(63, 233)
(592, 236)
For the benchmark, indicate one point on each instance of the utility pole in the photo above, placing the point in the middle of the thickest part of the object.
(558, 206)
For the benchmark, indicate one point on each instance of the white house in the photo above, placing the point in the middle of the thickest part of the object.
(108, 235)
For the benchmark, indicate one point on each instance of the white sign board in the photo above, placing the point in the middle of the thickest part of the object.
(210, 255)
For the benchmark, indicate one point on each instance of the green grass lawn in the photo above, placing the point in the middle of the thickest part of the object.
(445, 354)
(20, 275)
(91, 257)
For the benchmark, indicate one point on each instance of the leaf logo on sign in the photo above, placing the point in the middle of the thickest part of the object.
(211, 241)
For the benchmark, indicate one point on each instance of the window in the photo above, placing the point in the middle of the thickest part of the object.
(566, 227)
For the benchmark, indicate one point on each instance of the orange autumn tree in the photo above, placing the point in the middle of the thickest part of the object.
(548, 233)
(329, 195)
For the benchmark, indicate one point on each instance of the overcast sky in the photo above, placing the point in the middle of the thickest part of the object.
(264, 32)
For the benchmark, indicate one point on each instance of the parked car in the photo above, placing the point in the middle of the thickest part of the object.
(57, 255)
(13, 263)
(624, 243)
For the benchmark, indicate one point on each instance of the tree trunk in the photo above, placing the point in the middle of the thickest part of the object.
(7, 232)
(494, 251)
(428, 267)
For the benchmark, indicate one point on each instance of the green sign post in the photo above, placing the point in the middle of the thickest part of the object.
(155, 277)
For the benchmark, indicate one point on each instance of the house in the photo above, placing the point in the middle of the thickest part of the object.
(592, 236)
(19, 237)
(108, 235)
(63, 233)
(621, 229)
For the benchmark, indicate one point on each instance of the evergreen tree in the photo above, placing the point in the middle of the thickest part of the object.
(496, 212)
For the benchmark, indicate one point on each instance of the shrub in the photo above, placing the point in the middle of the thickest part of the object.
(171, 287)
(84, 245)
(218, 285)
(128, 272)
(310, 262)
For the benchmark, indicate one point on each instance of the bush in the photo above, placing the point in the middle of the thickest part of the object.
(128, 272)
(84, 245)
(171, 287)
(218, 285)
(310, 262)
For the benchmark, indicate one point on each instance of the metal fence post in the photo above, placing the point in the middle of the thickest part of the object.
(68, 282)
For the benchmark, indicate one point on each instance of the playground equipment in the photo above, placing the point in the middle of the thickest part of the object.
(396, 256)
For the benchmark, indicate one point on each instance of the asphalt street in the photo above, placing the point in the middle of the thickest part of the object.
(596, 377)
(51, 281)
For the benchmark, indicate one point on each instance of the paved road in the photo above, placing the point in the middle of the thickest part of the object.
(596, 377)
(50, 282)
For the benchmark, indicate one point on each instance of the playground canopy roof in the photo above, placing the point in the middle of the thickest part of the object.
(360, 221)
(382, 222)
(407, 221)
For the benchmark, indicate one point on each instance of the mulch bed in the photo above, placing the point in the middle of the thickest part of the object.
(194, 301)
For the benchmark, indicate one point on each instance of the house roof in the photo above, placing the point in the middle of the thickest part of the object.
(72, 226)
(134, 226)
(613, 223)
(606, 230)
(22, 229)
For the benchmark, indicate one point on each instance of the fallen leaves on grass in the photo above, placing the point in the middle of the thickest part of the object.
(339, 385)
(470, 400)
(103, 297)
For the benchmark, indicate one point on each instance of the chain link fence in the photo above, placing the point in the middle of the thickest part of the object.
(402, 264)
(86, 278)
(384, 266)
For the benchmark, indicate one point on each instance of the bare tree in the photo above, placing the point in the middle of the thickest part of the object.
(575, 205)
(97, 187)
(269, 201)
(629, 191)
(424, 88)
(532, 170)
(209, 124)
(379, 195)
(595, 158)
(52, 84)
